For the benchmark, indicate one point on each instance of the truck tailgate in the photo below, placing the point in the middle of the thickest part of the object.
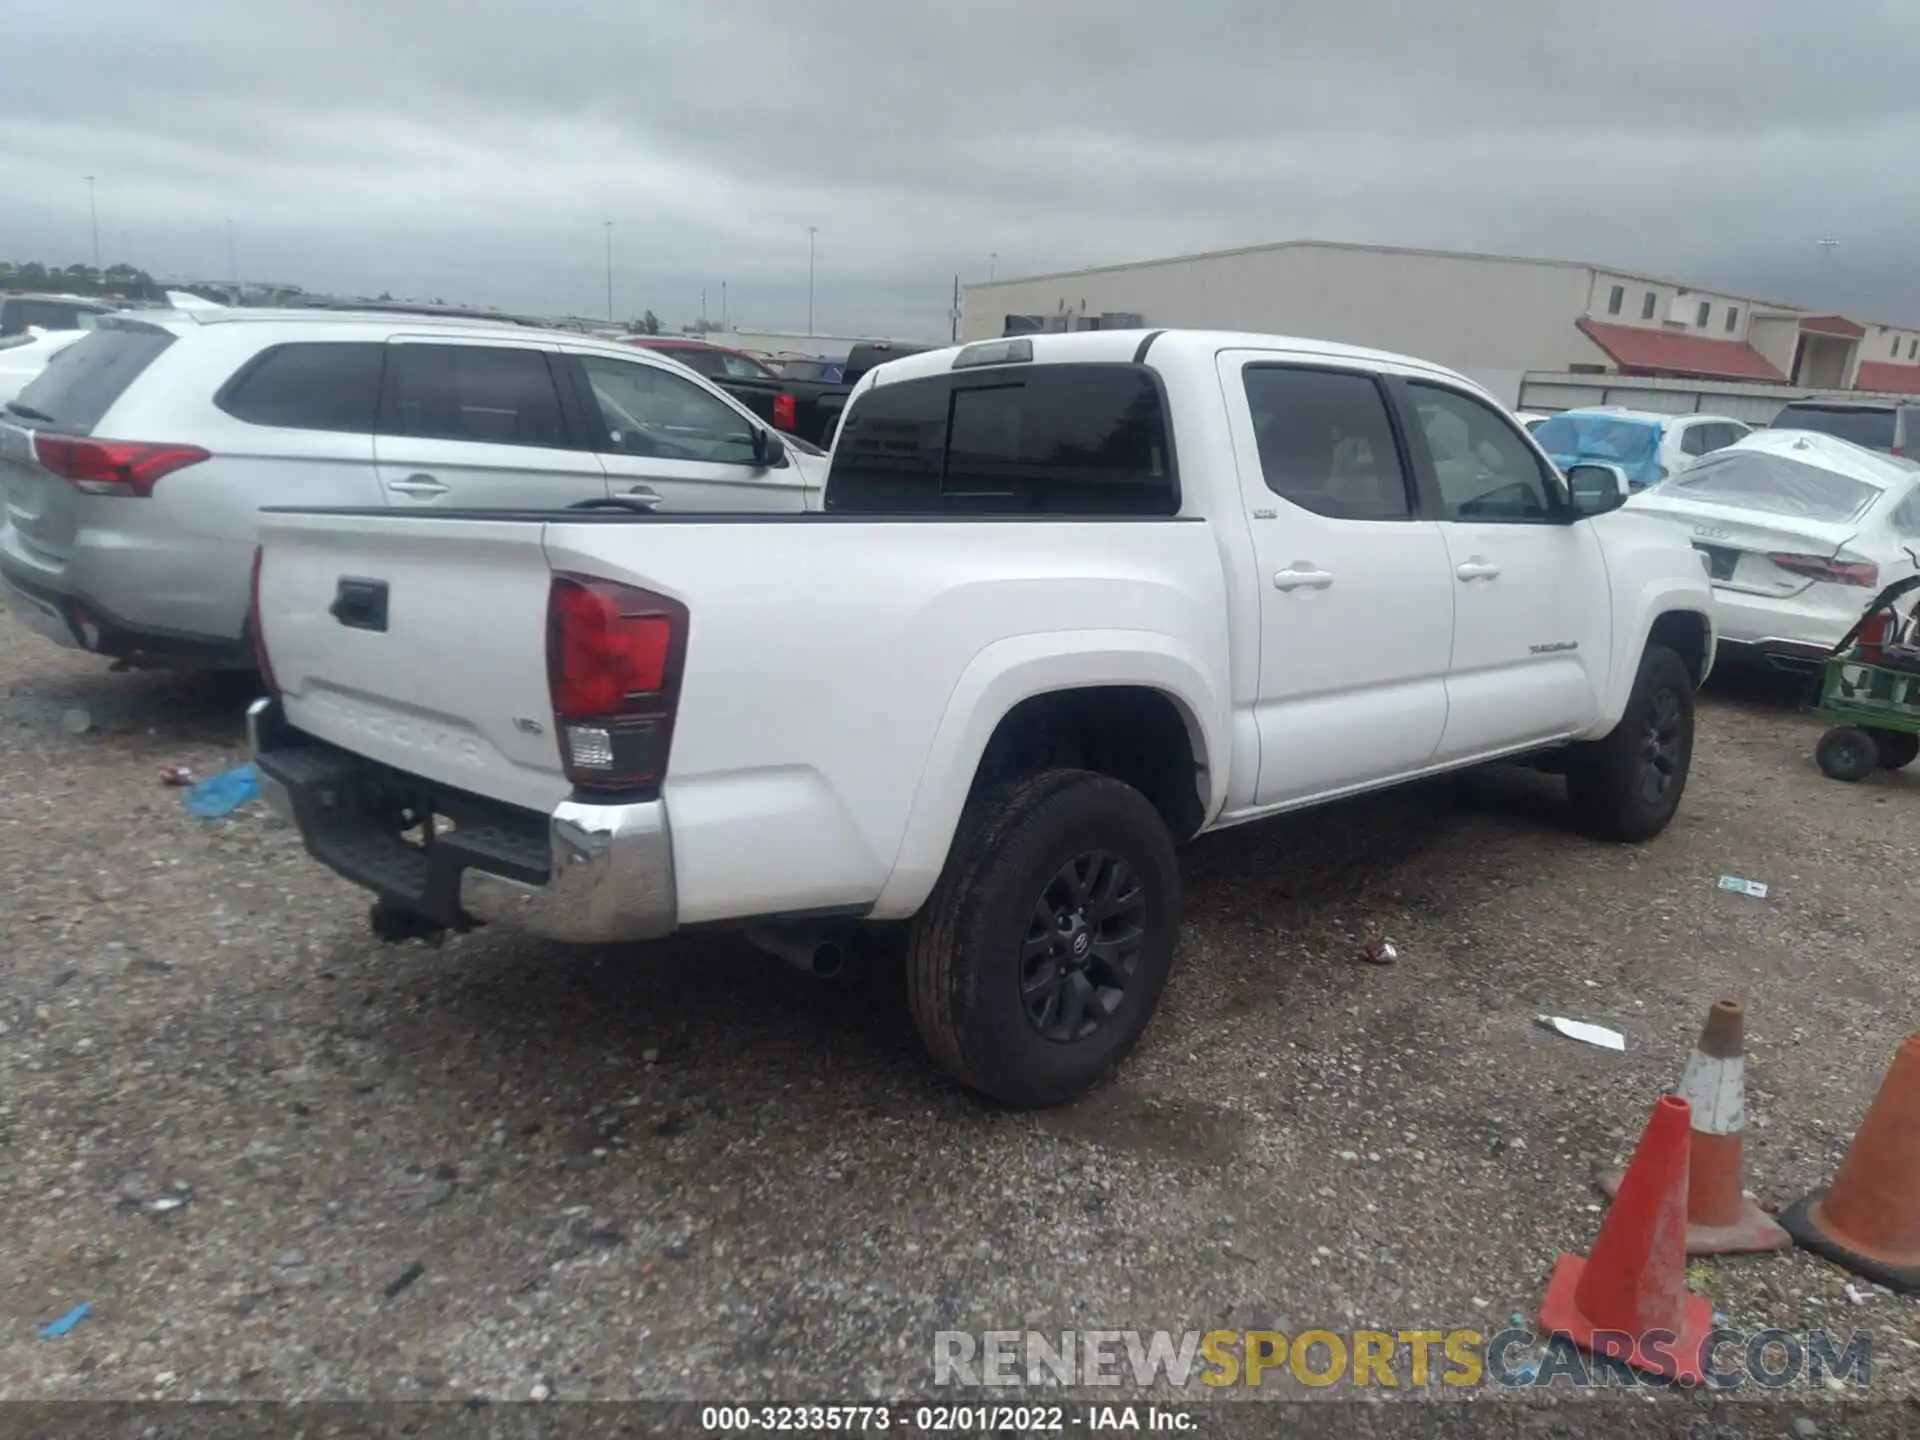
(418, 642)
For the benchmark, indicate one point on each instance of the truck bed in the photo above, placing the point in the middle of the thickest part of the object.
(834, 672)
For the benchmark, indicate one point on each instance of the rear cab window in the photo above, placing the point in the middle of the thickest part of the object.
(81, 383)
(1039, 440)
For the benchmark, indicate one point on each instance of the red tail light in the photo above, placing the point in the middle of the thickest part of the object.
(614, 656)
(786, 414)
(112, 467)
(1871, 641)
(257, 630)
(1841, 572)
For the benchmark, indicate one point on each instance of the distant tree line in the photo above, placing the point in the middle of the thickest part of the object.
(123, 281)
(129, 283)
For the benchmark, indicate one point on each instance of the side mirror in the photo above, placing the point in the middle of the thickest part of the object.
(768, 452)
(1596, 489)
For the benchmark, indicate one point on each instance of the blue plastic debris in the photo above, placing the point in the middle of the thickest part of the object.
(224, 794)
(66, 1322)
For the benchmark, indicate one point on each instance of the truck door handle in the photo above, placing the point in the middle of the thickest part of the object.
(417, 485)
(1302, 575)
(1477, 569)
(649, 498)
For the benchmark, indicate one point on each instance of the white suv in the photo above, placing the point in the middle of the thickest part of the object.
(134, 466)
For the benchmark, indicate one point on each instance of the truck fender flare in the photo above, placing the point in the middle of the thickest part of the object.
(1657, 600)
(1009, 671)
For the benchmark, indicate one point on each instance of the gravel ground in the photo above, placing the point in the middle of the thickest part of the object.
(282, 1161)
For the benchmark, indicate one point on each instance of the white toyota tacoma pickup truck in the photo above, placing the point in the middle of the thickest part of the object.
(1071, 601)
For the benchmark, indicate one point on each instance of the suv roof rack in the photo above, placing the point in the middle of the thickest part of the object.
(408, 307)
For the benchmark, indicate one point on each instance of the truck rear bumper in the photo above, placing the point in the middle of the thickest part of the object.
(587, 872)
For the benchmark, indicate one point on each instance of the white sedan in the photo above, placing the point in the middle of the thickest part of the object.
(22, 357)
(1798, 531)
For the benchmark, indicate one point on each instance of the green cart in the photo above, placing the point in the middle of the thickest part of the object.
(1869, 688)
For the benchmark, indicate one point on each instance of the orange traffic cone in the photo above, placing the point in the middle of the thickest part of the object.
(1629, 1302)
(1869, 1220)
(1721, 1218)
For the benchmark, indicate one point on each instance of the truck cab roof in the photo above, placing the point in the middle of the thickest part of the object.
(1159, 348)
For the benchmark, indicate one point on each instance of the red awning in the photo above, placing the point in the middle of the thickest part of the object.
(1887, 378)
(1833, 325)
(1670, 352)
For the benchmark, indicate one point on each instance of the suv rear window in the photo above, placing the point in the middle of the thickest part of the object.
(81, 382)
(1035, 440)
(1871, 428)
(321, 386)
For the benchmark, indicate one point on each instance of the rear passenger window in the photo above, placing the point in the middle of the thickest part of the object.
(1326, 443)
(1694, 438)
(1039, 440)
(308, 387)
(81, 382)
(486, 394)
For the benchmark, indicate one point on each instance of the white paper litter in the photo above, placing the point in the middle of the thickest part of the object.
(1580, 1030)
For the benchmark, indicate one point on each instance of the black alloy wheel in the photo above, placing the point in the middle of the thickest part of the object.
(1082, 946)
(1663, 744)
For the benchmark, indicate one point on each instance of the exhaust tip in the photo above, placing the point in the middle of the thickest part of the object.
(828, 959)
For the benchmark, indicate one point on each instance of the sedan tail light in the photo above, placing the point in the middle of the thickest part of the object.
(1863, 573)
(786, 413)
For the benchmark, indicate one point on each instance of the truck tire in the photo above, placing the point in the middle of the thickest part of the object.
(1039, 958)
(1898, 748)
(1627, 785)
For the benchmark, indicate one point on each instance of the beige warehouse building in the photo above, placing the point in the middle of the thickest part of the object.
(1496, 318)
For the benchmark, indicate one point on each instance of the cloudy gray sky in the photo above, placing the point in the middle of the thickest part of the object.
(473, 149)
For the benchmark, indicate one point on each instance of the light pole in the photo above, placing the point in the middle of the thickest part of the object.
(233, 263)
(811, 230)
(609, 272)
(93, 213)
(993, 263)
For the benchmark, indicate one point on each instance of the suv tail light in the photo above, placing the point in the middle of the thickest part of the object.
(786, 414)
(258, 630)
(112, 467)
(614, 657)
(1863, 573)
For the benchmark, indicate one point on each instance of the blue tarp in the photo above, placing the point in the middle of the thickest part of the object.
(1576, 438)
